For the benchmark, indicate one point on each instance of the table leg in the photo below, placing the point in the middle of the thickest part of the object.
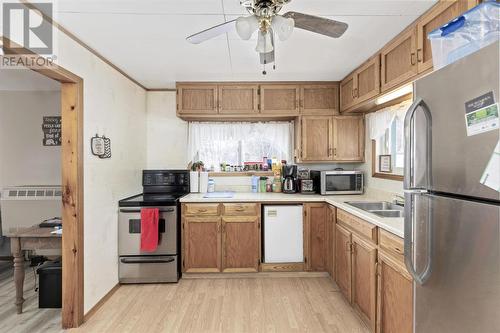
(17, 253)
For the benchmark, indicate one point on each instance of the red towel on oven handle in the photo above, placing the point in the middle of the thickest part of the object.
(149, 229)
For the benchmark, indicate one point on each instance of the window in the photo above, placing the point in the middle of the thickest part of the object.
(387, 133)
(236, 143)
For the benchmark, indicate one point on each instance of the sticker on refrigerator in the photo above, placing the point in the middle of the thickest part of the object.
(481, 114)
(491, 175)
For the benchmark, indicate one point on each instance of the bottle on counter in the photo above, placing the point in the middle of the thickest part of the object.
(255, 184)
(277, 185)
(262, 184)
(269, 185)
(211, 185)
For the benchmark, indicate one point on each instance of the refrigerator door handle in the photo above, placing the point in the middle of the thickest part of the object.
(422, 277)
(419, 104)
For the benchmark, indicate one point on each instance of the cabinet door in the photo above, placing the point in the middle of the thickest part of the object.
(399, 60)
(367, 80)
(330, 240)
(348, 138)
(440, 14)
(347, 87)
(280, 100)
(395, 297)
(197, 99)
(319, 99)
(240, 244)
(315, 233)
(238, 99)
(364, 288)
(317, 138)
(343, 260)
(202, 244)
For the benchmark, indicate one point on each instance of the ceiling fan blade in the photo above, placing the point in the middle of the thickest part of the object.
(267, 58)
(319, 25)
(211, 32)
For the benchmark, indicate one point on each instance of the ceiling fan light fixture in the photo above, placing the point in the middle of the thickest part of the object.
(246, 26)
(264, 43)
(283, 27)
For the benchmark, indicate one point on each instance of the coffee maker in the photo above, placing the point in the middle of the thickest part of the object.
(289, 179)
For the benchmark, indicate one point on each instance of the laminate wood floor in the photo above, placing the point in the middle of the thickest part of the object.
(285, 304)
(33, 319)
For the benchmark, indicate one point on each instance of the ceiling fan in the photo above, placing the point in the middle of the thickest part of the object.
(264, 18)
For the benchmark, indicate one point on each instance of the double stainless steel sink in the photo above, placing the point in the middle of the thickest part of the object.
(379, 208)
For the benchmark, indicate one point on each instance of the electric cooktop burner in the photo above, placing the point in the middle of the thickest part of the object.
(150, 200)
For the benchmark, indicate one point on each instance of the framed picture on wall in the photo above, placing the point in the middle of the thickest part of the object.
(385, 163)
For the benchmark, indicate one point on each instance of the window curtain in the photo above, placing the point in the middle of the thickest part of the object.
(380, 121)
(237, 142)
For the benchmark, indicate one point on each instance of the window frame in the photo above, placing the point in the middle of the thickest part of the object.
(383, 175)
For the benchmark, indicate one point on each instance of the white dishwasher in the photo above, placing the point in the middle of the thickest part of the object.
(283, 234)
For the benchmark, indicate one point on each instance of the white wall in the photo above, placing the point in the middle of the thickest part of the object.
(166, 133)
(116, 107)
(380, 184)
(24, 159)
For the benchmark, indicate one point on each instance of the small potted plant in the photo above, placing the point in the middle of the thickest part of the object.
(198, 166)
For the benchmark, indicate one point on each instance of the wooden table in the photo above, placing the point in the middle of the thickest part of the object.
(22, 239)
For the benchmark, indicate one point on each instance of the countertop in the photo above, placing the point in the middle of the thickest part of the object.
(393, 225)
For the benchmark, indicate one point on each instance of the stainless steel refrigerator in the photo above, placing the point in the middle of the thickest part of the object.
(452, 212)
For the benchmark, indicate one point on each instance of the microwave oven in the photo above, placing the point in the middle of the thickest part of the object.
(337, 182)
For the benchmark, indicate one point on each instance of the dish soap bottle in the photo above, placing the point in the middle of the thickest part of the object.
(211, 185)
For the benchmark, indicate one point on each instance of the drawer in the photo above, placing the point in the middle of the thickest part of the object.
(237, 209)
(392, 244)
(357, 225)
(202, 209)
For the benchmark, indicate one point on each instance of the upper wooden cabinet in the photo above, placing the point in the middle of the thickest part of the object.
(198, 99)
(347, 88)
(238, 99)
(440, 14)
(399, 60)
(317, 138)
(362, 84)
(319, 99)
(367, 80)
(337, 138)
(348, 139)
(279, 99)
(315, 222)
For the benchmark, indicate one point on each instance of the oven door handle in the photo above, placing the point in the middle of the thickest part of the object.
(163, 210)
(146, 261)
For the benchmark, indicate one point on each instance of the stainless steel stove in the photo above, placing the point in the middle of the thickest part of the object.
(161, 189)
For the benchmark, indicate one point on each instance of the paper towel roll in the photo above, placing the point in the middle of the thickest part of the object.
(203, 182)
(194, 181)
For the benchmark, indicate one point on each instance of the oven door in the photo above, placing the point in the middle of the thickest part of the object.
(129, 232)
(148, 269)
(340, 183)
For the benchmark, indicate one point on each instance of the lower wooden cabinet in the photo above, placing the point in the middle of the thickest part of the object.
(371, 274)
(315, 244)
(395, 296)
(221, 243)
(330, 240)
(240, 244)
(202, 244)
(364, 287)
(343, 263)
